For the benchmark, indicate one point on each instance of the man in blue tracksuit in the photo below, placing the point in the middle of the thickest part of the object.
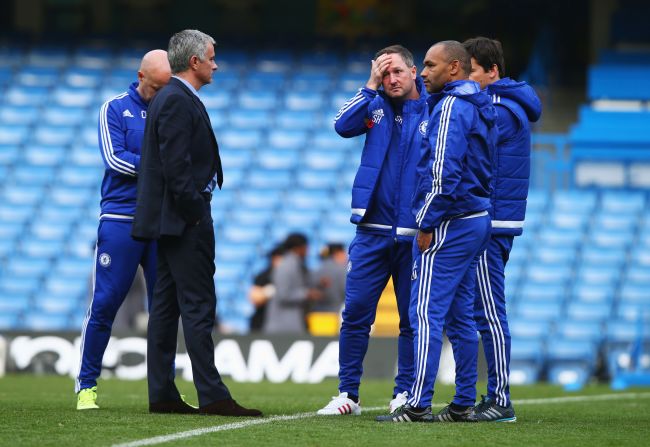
(517, 105)
(394, 121)
(117, 255)
(451, 204)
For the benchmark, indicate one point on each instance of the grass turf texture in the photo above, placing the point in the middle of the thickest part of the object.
(41, 411)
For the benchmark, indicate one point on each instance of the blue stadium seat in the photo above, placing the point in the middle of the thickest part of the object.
(64, 116)
(19, 115)
(575, 201)
(10, 229)
(86, 156)
(621, 331)
(526, 359)
(613, 257)
(543, 311)
(73, 97)
(587, 292)
(239, 253)
(14, 303)
(50, 212)
(580, 330)
(603, 82)
(18, 212)
(80, 176)
(41, 247)
(530, 329)
(19, 285)
(217, 99)
(37, 155)
(272, 80)
(225, 81)
(258, 199)
(52, 230)
(316, 178)
(30, 76)
(554, 237)
(307, 199)
(58, 303)
(544, 292)
(54, 135)
(74, 286)
(26, 96)
(633, 293)
(614, 222)
(278, 159)
(297, 120)
(84, 77)
(571, 361)
(235, 157)
(69, 266)
(288, 139)
(240, 138)
(70, 196)
(48, 57)
(304, 101)
(262, 99)
(597, 276)
(582, 311)
(606, 240)
(311, 81)
(640, 256)
(22, 195)
(638, 276)
(554, 255)
(537, 200)
(337, 233)
(567, 220)
(549, 273)
(13, 134)
(275, 179)
(623, 202)
(229, 272)
(328, 139)
(251, 218)
(28, 266)
(33, 175)
(46, 321)
(322, 159)
(306, 219)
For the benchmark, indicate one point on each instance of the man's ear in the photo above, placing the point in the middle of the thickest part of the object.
(494, 72)
(140, 76)
(454, 67)
(414, 72)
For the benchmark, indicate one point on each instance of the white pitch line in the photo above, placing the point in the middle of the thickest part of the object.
(292, 417)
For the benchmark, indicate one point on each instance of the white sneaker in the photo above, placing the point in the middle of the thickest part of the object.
(398, 401)
(340, 405)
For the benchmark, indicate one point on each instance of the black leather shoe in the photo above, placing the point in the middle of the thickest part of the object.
(174, 406)
(228, 407)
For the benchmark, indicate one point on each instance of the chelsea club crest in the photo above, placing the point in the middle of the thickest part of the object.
(104, 260)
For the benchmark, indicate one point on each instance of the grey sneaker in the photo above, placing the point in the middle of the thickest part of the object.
(489, 411)
(407, 413)
(449, 415)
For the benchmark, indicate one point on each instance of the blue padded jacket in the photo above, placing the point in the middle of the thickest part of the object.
(455, 165)
(517, 105)
(121, 130)
(372, 112)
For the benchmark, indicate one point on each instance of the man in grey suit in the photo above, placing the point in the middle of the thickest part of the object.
(286, 310)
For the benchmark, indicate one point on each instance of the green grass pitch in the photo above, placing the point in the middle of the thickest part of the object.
(40, 411)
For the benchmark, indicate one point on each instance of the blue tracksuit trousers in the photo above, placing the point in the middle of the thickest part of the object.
(373, 259)
(117, 257)
(442, 296)
(491, 318)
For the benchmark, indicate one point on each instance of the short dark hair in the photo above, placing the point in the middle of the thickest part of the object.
(456, 51)
(295, 240)
(407, 56)
(487, 52)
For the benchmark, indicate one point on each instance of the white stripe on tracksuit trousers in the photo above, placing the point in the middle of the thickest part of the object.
(424, 292)
(498, 337)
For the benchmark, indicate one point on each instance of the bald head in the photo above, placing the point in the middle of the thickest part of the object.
(153, 74)
(455, 51)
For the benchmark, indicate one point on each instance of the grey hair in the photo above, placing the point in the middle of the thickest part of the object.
(456, 51)
(185, 44)
(407, 56)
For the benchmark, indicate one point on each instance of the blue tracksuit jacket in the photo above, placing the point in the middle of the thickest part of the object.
(378, 193)
(517, 105)
(444, 188)
(121, 130)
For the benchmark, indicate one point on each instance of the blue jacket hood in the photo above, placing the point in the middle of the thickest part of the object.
(519, 92)
(471, 91)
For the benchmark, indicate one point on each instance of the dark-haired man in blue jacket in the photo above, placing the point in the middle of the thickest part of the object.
(451, 204)
(394, 120)
(517, 105)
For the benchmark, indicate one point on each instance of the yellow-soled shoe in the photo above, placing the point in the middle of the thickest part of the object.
(86, 399)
